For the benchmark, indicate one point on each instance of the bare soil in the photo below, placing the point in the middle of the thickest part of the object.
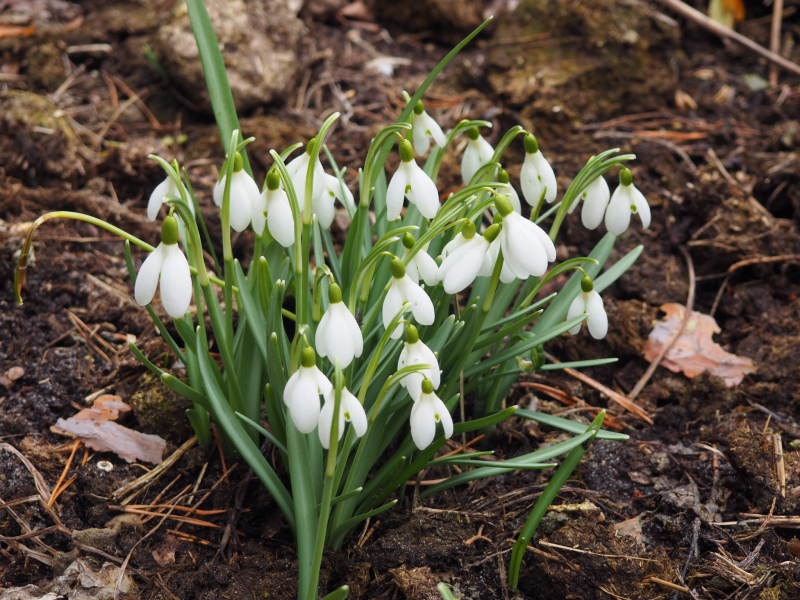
(721, 176)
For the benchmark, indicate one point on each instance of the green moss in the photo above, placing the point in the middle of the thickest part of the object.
(160, 411)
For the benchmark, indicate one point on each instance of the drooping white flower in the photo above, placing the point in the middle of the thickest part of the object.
(338, 334)
(244, 194)
(526, 248)
(477, 153)
(428, 411)
(301, 394)
(536, 174)
(590, 302)
(626, 199)
(168, 264)
(298, 170)
(337, 191)
(412, 182)
(278, 218)
(425, 128)
(350, 410)
(168, 187)
(462, 266)
(415, 352)
(508, 190)
(595, 200)
(421, 264)
(466, 233)
(402, 290)
(489, 261)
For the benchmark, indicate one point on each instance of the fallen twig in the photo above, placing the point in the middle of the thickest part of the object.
(154, 474)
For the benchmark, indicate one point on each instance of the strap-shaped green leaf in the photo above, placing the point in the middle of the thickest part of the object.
(567, 425)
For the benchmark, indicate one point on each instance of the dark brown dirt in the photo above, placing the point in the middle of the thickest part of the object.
(709, 455)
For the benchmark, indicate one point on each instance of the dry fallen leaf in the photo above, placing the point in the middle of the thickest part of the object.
(96, 428)
(695, 351)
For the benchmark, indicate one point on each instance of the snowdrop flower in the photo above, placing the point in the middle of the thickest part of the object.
(421, 264)
(626, 199)
(402, 290)
(244, 194)
(425, 128)
(508, 190)
(536, 174)
(412, 182)
(490, 259)
(467, 233)
(168, 264)
(335, 191)
(428, 411)
(298, 169)
(478, 153)
(350, 410)
(275, 203)
(462, 266)
(595, 200)
(302, 391)
(414, 352)
(168, 187)
(338, 334)
(590, 302)
(526, 248)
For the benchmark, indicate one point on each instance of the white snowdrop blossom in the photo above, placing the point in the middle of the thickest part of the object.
(421, 264)
(337, 191)
(462, 237)
(477, 153)
(463, 265)
(350, 410)
(415, 352)
(425, 128)
(167, 264)
(244, 194)
(168, 187)
(301, 394)
(536, 174)
(412, 182)
(490, 259)
(338, 334)
(402, 290)
(508, 190)
(275, 203)
(428, 411)
(298, 170)
(526, 248)
(626, 200)
(591, 303)
(595, 200)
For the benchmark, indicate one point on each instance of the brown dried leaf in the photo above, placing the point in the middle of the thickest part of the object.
(695, 351)
(96, 428)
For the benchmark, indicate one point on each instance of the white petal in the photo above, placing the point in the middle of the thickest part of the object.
(258, 218)
(618, 214)
(147, 279)
(576, 308)
(355, 413)
(544, 239)
(461, 267)
(176, 282)
(529, 180)
(219, 191)
(547, 177)
(435, 131)
(427, 357)
(322, 337)
(642, 207)
(522, 248)
(597, 321)
(451, 246)
(395, 194)
(506, 274)
(244, 193)
(470, 162)
(304, 404)
(423, 192)
(444, 417)
(323, 384)
(280, 219)
(423, 424)
(335, 338)
(324, 209)
(421, 304)
(427, 268)
(353, 330)
(403, 360)
(288, 391)
(157, 198)
(325, 424)
(512, 196)
(411, 267)
(421, 138)
(594, 206)
(391, 306)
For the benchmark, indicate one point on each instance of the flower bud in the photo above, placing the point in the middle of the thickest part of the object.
(502, 176)
(308, 358)
(398, 268)
(169, 231)
(408, 240)
(531, 144)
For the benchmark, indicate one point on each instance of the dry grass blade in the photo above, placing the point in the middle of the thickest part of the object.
(41, 484)
(153, 474)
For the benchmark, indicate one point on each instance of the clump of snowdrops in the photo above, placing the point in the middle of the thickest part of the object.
(430, 300)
